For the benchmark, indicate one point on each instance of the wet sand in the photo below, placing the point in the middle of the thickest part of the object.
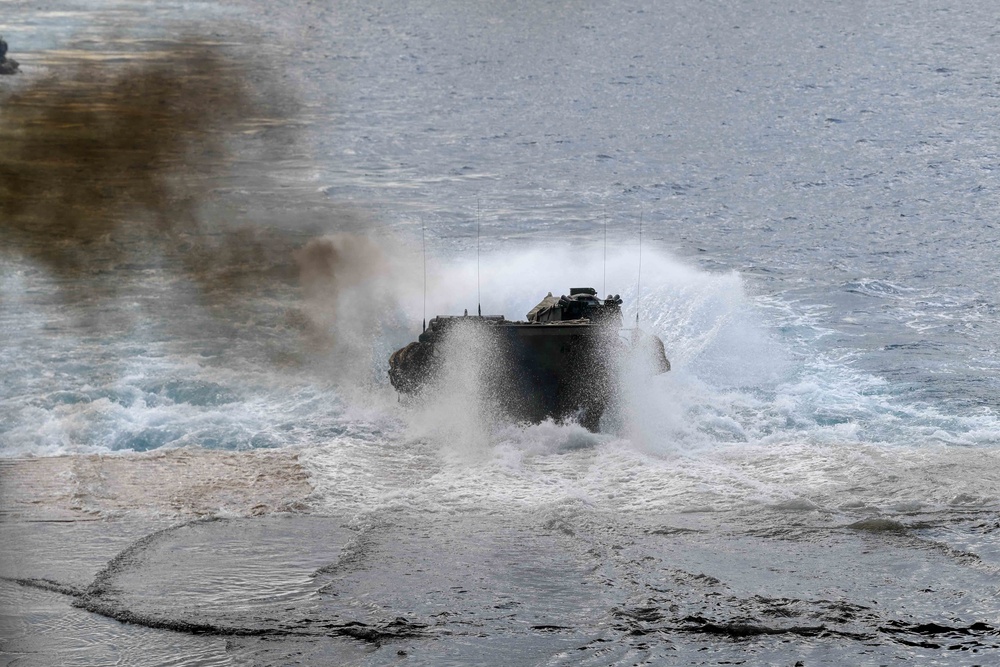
(63, 519)
(165, 484)
(208, 557)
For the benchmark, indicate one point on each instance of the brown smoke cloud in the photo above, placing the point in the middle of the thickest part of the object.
(106, 167)
(99, 157)
(103, 165)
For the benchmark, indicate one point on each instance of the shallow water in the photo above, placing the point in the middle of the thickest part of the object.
(203, 463)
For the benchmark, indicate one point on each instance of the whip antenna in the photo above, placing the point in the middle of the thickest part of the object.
(423, 243)
(605, 249)
(479, 222)
(638, 283)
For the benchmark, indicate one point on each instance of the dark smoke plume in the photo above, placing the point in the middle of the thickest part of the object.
(106, 171)
(100, 164)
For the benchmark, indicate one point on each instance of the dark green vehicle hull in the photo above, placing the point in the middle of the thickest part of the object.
(529, 371)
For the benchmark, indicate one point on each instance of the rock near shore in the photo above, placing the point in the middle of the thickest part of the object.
(7, 65)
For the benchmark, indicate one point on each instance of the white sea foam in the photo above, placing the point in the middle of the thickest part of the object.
(751, 415)
(745, 416)
(746, 370)
(545, 466)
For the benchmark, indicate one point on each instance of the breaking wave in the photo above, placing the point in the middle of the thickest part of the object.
(746, 370)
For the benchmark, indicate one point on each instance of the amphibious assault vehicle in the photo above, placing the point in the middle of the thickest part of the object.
(560, 363)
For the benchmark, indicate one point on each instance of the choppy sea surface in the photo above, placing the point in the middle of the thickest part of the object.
(202, 462)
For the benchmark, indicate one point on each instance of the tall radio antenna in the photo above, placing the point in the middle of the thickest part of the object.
(423, 244)
(638, 284)
(605, 249)
(479, 222)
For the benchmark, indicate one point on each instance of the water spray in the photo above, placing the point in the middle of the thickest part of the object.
(638, 282)
(423, 243)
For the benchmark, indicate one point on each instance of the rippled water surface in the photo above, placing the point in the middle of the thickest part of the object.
(217, 219)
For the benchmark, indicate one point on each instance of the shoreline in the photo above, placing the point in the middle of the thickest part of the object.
(176, 483)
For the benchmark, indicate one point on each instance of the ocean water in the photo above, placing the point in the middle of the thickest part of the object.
(202, 461)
